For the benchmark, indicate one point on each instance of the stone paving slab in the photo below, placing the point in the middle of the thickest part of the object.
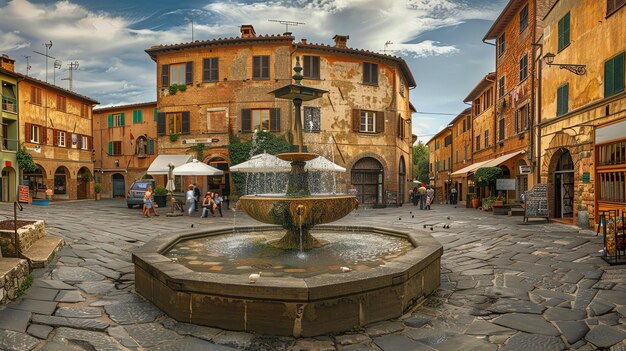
(37, 293)
(35, 306)
(16, 320)
(533, 342)
(15, 341)
(95, 340)
(132, 313)
(605, 336)
(39, 331)
(529, 323)
(78, 323)
(190, 344)
(78, 312)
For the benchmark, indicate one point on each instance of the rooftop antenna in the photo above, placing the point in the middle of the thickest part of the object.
(27, 64)
(389, 42)
(57, 65)
(48, 47)
(190, 19)
(73, 66)
(287, 24)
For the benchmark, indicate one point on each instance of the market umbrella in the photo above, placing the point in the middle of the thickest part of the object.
(262, 163)
(323, 164)
(196, 168)
(170, 178)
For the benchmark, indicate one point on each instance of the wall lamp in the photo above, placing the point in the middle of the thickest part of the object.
(576, 69)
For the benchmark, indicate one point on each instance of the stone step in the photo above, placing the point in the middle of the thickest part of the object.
(13, 271)
(516, 211)
(43, 251)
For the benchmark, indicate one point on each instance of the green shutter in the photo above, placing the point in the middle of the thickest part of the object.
(150, 147)
(122, 119)
(562, 100)
(134, 116)
(110, 120)
(156, 114)
(110, 148)
(137, 116)
(618, 77)
(608, 78)
(564, 31)
(140, 116)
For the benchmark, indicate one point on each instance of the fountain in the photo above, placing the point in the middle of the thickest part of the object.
(316, 278)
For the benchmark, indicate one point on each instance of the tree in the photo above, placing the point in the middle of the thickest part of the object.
(420, 162)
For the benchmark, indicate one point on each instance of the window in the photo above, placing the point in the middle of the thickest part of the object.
(84, 110)
(437, 144)
(174, 123)
(311, 67)
(456, 156)
(61, 139)
(614, 75)
(486, 138)
(401, 85)
(35, 95)
(523, 68)
(465, 153)
(523, 19)
(521, 119)
(61, 103)
(115, 148)
(501, 45)
(260, 67)
(444, 164)
(501, 87)
(34, 134)
(311, 119)
(84, 142)
(564, 32)
(210, 69)
(370, 73)
(488, 98)
(177, 73)
(612, 154)
(137, 116)
(501, 129)
(368, 121)
(469, 122)
(116, 120)
(477, 142)
(477, 109)
(613, 5)
(260, 119)
(447, 141)
(464, 125)
(562, 97)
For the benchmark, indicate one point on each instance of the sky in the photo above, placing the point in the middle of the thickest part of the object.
(441, 40)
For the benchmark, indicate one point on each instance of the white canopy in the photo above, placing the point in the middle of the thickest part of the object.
(262, 163)
(196, 168)
(323, 164)
(160, 165)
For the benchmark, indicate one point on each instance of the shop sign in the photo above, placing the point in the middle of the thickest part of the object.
(586, 178)
(524, 169)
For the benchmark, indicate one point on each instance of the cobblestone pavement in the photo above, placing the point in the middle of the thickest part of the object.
(504, 286)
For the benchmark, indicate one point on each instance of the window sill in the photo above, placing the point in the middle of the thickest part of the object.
(312, 78)
(312, 131)
(370, 84)
(260, 78)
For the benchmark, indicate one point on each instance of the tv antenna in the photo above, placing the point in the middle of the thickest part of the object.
(48, 47)
(57, 65)
(287, 24)
(27, 64)
(73, 66)
(190, 19)
(387, 43)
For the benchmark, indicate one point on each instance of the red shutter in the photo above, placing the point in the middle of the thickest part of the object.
(380, 122)
(55, 137)
(90, 143)
(356, 120)
(27, 131)
(43, 135)
(68, 139)
(79, 145)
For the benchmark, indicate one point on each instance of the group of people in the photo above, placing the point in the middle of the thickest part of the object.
(424, 196)
(210, 202)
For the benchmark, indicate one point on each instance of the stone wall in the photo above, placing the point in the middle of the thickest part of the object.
(27, 235)
(13, 272)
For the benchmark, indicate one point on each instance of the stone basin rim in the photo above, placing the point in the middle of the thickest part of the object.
(181, 278)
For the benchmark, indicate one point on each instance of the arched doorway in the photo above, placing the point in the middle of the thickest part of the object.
(84, 180)
(563, 184)
(60, 181)
(522, 178)
(8, 184)
(35, 180)
(119, 186)
(401, 180)
(367, 176)
(219, 184)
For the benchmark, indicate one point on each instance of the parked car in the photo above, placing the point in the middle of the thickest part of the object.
(136, 192)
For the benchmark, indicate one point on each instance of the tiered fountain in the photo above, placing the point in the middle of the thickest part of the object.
(350, 276)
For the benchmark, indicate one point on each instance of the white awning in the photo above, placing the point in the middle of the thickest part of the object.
(197, 168)
(471, 168)
(500, 160)
(160, 164)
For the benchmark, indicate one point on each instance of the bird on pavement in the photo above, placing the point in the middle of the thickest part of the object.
(346, 269)
(254, 277)
(191, 225)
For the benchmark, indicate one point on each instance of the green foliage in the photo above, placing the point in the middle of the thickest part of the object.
(97, 188)
(86, 176)
(173, 89)
(182, 87)
(160, 190)
(241, 151)
(199, 149)
(25, 160)
(25, 285)
(174, 137)
(420, 162)
(486, 176)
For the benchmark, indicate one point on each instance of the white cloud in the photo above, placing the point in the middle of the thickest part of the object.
(423, 49)
(11, 41)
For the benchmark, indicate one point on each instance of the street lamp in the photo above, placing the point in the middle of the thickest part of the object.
(576, 69)
(451, 128)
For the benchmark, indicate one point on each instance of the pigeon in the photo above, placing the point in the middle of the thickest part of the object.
(410, 212)
(191, 225)
(254, 277)
(431, 228)
(346, 269)
(399, 218)
(448, 217)
(412, 216)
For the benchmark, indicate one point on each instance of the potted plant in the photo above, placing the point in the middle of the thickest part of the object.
(97, 189)
(487, 204)
(173, 89)
(475, 202)
(174, 137)
(583, 214)
(160, 196)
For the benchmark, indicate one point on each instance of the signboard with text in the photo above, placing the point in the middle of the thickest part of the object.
(505, 184)
(23, 193)
(537, 204)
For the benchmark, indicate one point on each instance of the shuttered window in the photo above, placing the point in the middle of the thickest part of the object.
(178, 74)
(364, 121)
(165, 75)
(156, 114)
(35, 95)
(562, 97)
(370, 73)
(311, 67)
(312, 119)
(61, 103)
(246, 120)
(523, 19)
(613, 5)
(115, 148)
(486, 138)
(161, 121)
(261, 67)
(564, 32)
(477, 142)
(210, 69)
(189, 73)
(501, 45)
(523, 68)
(501, 87)
(185, 128)
(150, 146)
(501, 130)
(614, 75)
(137, 116)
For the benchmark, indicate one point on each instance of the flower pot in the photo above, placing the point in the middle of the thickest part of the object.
(98, 195)
(160, 200)
(583, 219)
(475, 203)
(497, 203)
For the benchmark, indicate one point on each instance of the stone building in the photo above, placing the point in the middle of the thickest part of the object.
(124, 148)
(9, 133)
(461, 152)
(211, 90)
(440, 163)
(56, 129)
(583, 113)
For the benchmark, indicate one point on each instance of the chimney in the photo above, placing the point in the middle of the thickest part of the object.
(303, 41)
(341, 41)
(7, 63)
(247, 31)
(287, 34)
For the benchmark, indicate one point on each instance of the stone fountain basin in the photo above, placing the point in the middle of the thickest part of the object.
(287, 305)
(282, 210)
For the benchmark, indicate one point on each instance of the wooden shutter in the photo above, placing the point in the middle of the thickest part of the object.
(356, 120)
(315, 67)
(275, 120)
(156, 114)
(516, 128)
(306, 60)
(33, 96)
(27, 131)
(161, 123)
(210, 69)
(246, 120)
(374, 73)
(90, 143)
(110, 148)
(79, 145)
(566, 31)
(68, 139)
(150, 147)
(380, 122)
(189, 73)
(110, 116)
(367, 72)
(185, 122)
(618, 80)
(43, 135)
(215, 69)
(122, 119)
(55, 137)
(165, 75)
(256, 67)
(265, 67)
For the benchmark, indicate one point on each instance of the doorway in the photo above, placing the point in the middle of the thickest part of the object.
(119, 188)
(564, 186)
(367, 176)
(401, 181)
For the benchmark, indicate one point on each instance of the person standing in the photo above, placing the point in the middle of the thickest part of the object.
(422, 196)
(453, 196)
(190, 200)
(218, 202)
(430, 197)
(206, 205)
(148, 203)
(415, 196)
(197, 193)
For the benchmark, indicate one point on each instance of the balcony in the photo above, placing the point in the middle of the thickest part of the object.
(9, 144)
(9, 104)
